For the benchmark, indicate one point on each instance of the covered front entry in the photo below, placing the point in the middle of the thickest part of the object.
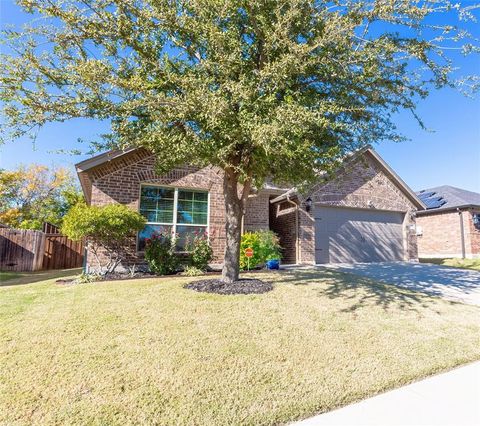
(348, 235)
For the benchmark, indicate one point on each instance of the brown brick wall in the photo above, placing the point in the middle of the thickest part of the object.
(360, 184)
(474, 234)
(256, 216)
(441, 234)
(355, 185)
(122, 185)
(283, 221)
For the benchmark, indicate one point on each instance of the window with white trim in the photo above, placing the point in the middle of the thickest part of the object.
(182, 212)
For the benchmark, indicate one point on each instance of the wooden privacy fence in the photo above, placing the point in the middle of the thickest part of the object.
(28, 250)
(60, 252)
(21, 250)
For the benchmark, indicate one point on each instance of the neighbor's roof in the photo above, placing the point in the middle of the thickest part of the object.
(448, 197)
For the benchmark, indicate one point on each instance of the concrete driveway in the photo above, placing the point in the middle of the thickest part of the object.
(461, 285)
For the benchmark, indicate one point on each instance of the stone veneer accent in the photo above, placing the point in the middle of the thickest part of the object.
(441, 234)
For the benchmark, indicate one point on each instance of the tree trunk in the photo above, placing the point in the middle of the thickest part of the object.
(234, 210)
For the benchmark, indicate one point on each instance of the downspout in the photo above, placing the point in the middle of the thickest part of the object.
(462, 232)
(297, 255)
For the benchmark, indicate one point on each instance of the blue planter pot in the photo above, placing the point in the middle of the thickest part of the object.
(273, 264)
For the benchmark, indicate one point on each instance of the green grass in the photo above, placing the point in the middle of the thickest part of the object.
(150, 352)
(8, 275)
(22, 278)
(456, 263)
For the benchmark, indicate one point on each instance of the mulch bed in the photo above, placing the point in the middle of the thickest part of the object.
(242, 286)
(65, 280)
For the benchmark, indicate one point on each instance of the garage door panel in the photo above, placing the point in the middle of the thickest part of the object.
(354, 235)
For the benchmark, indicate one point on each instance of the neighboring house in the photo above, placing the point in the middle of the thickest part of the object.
(450, 226)
(365, 213)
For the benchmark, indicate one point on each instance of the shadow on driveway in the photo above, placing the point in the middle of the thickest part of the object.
(450, 283)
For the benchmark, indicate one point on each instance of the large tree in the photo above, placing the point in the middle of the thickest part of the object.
(261, 89)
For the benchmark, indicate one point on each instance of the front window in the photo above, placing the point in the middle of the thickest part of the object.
(172, 210)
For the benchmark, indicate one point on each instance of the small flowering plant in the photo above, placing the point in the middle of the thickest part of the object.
(200, 250)
(160, 254)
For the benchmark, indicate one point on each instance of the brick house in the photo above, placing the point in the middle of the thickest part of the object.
(365, 213)
(450, 226)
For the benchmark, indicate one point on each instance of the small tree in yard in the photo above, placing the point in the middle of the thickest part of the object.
(260, 89)
(109, 228)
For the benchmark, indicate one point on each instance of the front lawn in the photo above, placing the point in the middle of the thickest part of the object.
(23, 278)
(455, 263)
(151, 352)
(8, 275)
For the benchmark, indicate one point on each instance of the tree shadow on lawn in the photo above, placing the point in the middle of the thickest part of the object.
(362, 292)
(33, 277)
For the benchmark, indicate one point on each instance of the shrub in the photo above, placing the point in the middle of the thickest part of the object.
(200, 251)
(269, 245)
(250, 240)
(192, 271)
(111, 227)
(160, 254)
(265, 245)
(84, 278)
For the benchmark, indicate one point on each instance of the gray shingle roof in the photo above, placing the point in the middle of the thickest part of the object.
(453, 197)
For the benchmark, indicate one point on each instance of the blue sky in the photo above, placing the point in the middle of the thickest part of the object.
(449, 154)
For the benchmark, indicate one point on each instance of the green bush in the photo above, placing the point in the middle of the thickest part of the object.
(200, 251)
(192, 271)
(269, 245)
(265, 245)
(250, 240)
(84, 278)
(160, 254)
(111, 228)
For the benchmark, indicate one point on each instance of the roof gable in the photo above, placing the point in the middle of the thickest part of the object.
(105, 163)
(386, 169)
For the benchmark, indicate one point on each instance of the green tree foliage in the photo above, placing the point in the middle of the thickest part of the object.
(35, 194)
(109, 229)
(261, 89)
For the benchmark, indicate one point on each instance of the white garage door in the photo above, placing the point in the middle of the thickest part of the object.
(345, 235)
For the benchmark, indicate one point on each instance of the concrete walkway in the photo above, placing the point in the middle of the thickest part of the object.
(451, 398)
(457, 284)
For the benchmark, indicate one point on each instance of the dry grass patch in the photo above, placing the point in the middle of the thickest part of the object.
(150, 351)
(455, 263)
